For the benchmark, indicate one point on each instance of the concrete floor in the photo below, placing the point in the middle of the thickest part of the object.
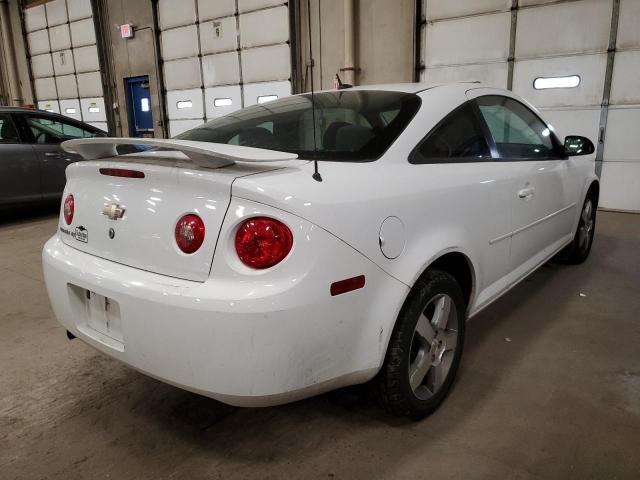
(549, 388)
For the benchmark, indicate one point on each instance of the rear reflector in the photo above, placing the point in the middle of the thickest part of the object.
(121, 172)
(348, 285)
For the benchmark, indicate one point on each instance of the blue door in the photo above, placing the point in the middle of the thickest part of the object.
(140, 115)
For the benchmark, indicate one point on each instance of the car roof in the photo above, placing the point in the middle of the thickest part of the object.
(416, 87)
(44, 112)
(32, 110)
(17, 109)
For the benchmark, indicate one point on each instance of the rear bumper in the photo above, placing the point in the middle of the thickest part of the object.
(232, 339)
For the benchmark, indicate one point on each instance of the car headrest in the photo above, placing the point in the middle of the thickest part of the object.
(331, 134)
(255, 136)
(352, 138)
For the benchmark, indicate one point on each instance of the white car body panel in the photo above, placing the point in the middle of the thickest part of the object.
(262, 337)
(244, 337)
(171, 188)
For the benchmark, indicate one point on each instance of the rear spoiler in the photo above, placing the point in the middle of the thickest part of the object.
(203, 154)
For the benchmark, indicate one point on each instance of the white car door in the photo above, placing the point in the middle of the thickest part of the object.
(465, 188)
(544, 200)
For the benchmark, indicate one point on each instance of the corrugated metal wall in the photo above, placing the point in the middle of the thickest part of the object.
(489, 41)
(64, 60)
(221, 55)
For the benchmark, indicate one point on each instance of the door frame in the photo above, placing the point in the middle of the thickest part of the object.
(128, 81)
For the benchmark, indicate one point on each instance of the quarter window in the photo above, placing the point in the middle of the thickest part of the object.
(458, 136)
(517, 132)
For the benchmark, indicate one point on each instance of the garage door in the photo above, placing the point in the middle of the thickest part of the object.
(621, 165)
(463, 41)
(221, 55)
(555, 53)
(564, 42)
(64, 60)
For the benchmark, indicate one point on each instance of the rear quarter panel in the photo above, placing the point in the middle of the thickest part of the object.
(449, 207)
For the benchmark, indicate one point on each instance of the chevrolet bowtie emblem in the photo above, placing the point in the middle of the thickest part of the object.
(113, 211)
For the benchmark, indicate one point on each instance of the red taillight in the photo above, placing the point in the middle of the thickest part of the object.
(67, 209)
(121, 172)
(263, 242)
(190, 233)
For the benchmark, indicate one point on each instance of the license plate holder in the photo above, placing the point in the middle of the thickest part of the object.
(103, 315)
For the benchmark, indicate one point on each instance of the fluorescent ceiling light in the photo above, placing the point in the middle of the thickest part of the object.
(222, 102)
(184, 104)
(542, 83)
(70, 110)
(267, 98)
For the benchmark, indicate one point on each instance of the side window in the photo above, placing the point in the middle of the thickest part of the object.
(8, 132)
(516, 130)
(458, 136)
(389, 116)
(49, 131)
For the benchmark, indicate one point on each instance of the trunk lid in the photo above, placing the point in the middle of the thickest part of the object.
(144, 236)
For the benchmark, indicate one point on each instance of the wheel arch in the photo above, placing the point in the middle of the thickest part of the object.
(452, 261)
(458, 265)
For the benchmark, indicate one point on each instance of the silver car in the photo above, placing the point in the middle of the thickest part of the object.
(32, 164)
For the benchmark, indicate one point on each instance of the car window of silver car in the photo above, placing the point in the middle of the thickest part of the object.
(48, 130)
(517, 132)
(8, 131)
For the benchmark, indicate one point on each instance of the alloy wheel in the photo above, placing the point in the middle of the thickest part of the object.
(433, 346)
(585, 229)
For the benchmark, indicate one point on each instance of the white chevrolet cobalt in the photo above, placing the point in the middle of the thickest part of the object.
(317, 241)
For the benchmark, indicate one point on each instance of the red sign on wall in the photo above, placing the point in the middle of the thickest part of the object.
(126, 30)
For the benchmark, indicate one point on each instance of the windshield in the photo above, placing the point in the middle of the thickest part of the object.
(355, 125)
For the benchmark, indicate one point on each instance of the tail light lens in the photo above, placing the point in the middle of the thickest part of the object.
(190, 233)
(263, 242)
(68, 209)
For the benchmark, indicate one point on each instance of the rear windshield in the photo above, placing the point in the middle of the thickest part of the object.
(354, 125)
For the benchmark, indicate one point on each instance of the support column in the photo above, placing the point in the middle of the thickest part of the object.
(9, 55)
(604, 110)
(512, 44)
(349, 43)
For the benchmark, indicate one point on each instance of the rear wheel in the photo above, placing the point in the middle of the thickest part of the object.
(425, 348)
(578, 250)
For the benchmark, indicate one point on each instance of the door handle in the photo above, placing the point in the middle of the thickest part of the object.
(526, 192)
(52, 154)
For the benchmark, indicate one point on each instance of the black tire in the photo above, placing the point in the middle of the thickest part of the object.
(392, 384)
(580, 247)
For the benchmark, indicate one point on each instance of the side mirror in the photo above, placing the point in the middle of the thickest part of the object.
(576, 145)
